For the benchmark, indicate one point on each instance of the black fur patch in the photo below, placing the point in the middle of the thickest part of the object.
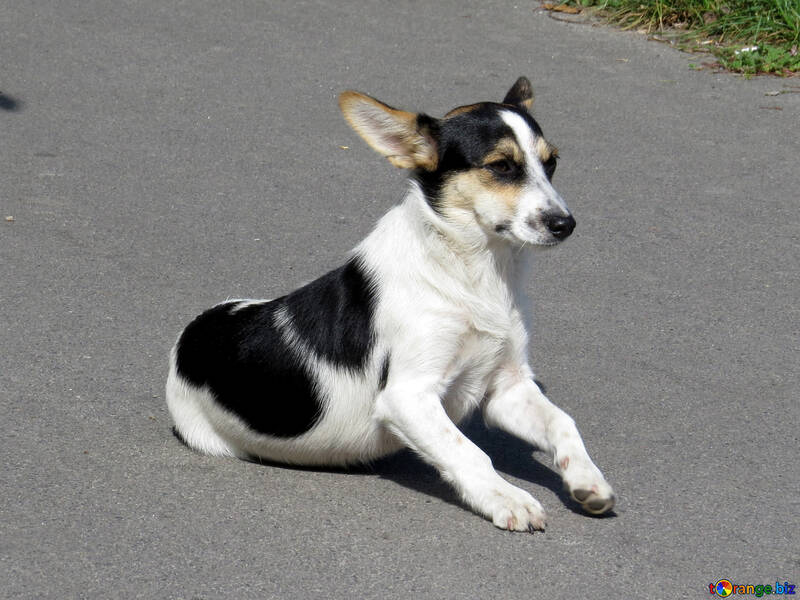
(242, 356)
(333, 315)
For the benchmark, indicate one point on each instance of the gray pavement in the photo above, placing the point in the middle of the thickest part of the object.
(158, 157)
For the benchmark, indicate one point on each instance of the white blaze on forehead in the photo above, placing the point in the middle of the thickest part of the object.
(539, 186)
(525, 138)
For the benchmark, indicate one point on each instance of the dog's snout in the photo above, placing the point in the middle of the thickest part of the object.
(560, 226)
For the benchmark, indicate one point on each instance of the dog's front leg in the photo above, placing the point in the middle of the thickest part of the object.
(420, 421)
(520, 408)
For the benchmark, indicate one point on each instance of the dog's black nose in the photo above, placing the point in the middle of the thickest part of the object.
(560, 226)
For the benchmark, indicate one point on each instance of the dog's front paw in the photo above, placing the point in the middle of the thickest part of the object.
(516, 510)
(586, 485)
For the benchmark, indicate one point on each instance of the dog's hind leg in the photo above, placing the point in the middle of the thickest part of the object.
(419, 420)
(523, 410)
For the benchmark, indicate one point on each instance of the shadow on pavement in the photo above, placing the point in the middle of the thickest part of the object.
(10, 104)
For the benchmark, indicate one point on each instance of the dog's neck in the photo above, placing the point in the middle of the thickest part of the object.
(465, 247)
(413, 243)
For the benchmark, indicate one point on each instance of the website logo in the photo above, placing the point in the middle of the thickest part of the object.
(725, 587)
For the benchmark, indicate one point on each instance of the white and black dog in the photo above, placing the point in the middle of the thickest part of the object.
(423, 324)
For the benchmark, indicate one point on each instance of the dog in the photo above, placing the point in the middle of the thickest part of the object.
(424, 324)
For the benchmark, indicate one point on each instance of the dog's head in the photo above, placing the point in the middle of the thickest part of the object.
(483, 165)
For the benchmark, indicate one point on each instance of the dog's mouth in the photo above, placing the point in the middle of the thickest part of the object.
(503, 228)
(540, 229)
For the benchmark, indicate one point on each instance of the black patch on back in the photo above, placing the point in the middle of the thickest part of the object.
(249, 368)
(333, 315)
(463, 141)
(383, 377)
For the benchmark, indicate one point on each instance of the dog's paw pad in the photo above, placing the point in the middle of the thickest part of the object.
(593, 502)
(588, 487)
(581, 495)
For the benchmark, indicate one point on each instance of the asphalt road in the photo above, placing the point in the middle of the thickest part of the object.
(159, 157)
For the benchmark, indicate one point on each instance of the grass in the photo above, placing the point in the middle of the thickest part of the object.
(747, 36)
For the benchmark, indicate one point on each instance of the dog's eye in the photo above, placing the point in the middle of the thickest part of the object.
(549, 166)
(502, 167)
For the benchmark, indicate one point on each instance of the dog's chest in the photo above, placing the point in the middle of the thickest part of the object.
(488, 314)
(480, 353)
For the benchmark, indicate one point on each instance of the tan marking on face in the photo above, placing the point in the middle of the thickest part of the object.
(477, 190)
(544, 149)
(506, 148)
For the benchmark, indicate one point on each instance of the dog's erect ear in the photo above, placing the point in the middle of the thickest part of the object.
(405, 138)
(520, 94)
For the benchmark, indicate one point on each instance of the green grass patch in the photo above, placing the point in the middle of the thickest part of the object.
(747, 36)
